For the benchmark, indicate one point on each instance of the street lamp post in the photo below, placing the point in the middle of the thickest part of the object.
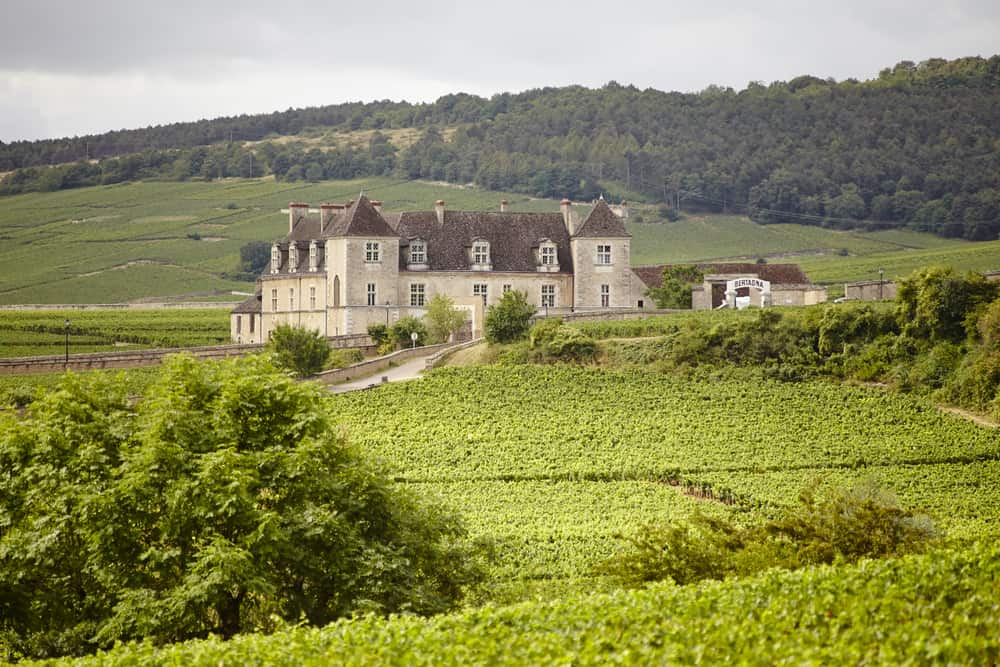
(881, 274)
(66, 359)
(387, 314)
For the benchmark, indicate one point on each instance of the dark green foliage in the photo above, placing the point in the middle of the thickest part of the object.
(551, 340)
(939, 304)
(344, 357)
(379, 333)
(509, 318)
(843, 527)
(829, 154)
(675, 288)
(254, 256)
(224, 502)
(299, 350)
(401, 332)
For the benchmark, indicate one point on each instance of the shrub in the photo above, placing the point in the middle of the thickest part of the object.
(379, 333)
(843, 527)
(508, 320)
(344, 358)
(302, 351)
(224, 502)
(401, 332)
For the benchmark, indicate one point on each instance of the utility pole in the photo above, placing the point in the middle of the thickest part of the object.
(251, 164)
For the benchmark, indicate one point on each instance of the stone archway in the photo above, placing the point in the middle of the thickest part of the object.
(763, 286)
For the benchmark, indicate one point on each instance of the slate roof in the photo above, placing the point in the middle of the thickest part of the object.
(251, 305)
(512, 238)
(360, 219)
(778, 274)
(602, 222)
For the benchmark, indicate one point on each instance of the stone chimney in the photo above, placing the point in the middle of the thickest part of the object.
(503, 205)
(624, 210)
(295, 211)
(566, 206)
(439, 209)
(377, 205)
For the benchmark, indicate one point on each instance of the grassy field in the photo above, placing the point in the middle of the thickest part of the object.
(117, 243)
(166, 239)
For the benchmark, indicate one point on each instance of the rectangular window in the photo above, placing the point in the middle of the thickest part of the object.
(313, 256)
(548, 255)
(480, 253)
(291, 298)
(548, 296)
(274, 300)
(506, 288)
(417, 294)
(418, 252)
(479, 289)
(252, 318)
(603, 254)
(312, 298)
(373, 251)
(239, 323)
(605, 296)
(371, 294)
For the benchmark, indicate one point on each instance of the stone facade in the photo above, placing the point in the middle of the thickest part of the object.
(342, 268)
(789, 286)
(870, 290)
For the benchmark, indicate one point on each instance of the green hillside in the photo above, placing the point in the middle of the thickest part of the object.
(124, 242)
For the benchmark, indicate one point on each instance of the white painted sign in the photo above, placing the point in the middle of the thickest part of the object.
(757, 283)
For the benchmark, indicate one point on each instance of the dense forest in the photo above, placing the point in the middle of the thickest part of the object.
(918, 146)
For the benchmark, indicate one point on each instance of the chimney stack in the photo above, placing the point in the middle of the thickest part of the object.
(503, 205)
(326, 213)
(624, 209)
(377, 205)
(296, 210)
(566, 206)
(439, 209)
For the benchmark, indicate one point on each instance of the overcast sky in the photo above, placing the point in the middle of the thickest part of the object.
(71, 68)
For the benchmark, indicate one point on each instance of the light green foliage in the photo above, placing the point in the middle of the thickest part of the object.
(442, 318)
(299, 350)
(938, 608)
(42, 332)
(379, 333)
(223, 502)
(843, 527)
(509, 318)
(342, 358)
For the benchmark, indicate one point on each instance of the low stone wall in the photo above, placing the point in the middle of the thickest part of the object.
(151, 305)
(438, 357)
(138, 358)
(371, 366)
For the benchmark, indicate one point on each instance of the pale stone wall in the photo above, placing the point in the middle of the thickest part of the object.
(459, 285)
(589, 275)
(797, 296)
(294, 307)
(871, 290)
(245, 328)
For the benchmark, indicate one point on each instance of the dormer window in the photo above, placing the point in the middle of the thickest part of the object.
(481, 256)
(548, 255)
(313, 256)
(418, 252)
(373, 251)
(293, 257)
(275, 258)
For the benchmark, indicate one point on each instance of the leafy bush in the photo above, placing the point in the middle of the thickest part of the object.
(299, 350)
(442, 318)
(344, 357)
(224, 502)
(379, 333)
(508, 320)
(401, 332)
(844, 527)
(552, 340)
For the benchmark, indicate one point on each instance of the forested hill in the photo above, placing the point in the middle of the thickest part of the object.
(918, 146)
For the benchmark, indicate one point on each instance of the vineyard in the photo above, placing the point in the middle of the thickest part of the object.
(26, 333)
(551, 465)
(552, 462)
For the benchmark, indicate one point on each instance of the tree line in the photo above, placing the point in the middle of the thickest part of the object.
(913, 147)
